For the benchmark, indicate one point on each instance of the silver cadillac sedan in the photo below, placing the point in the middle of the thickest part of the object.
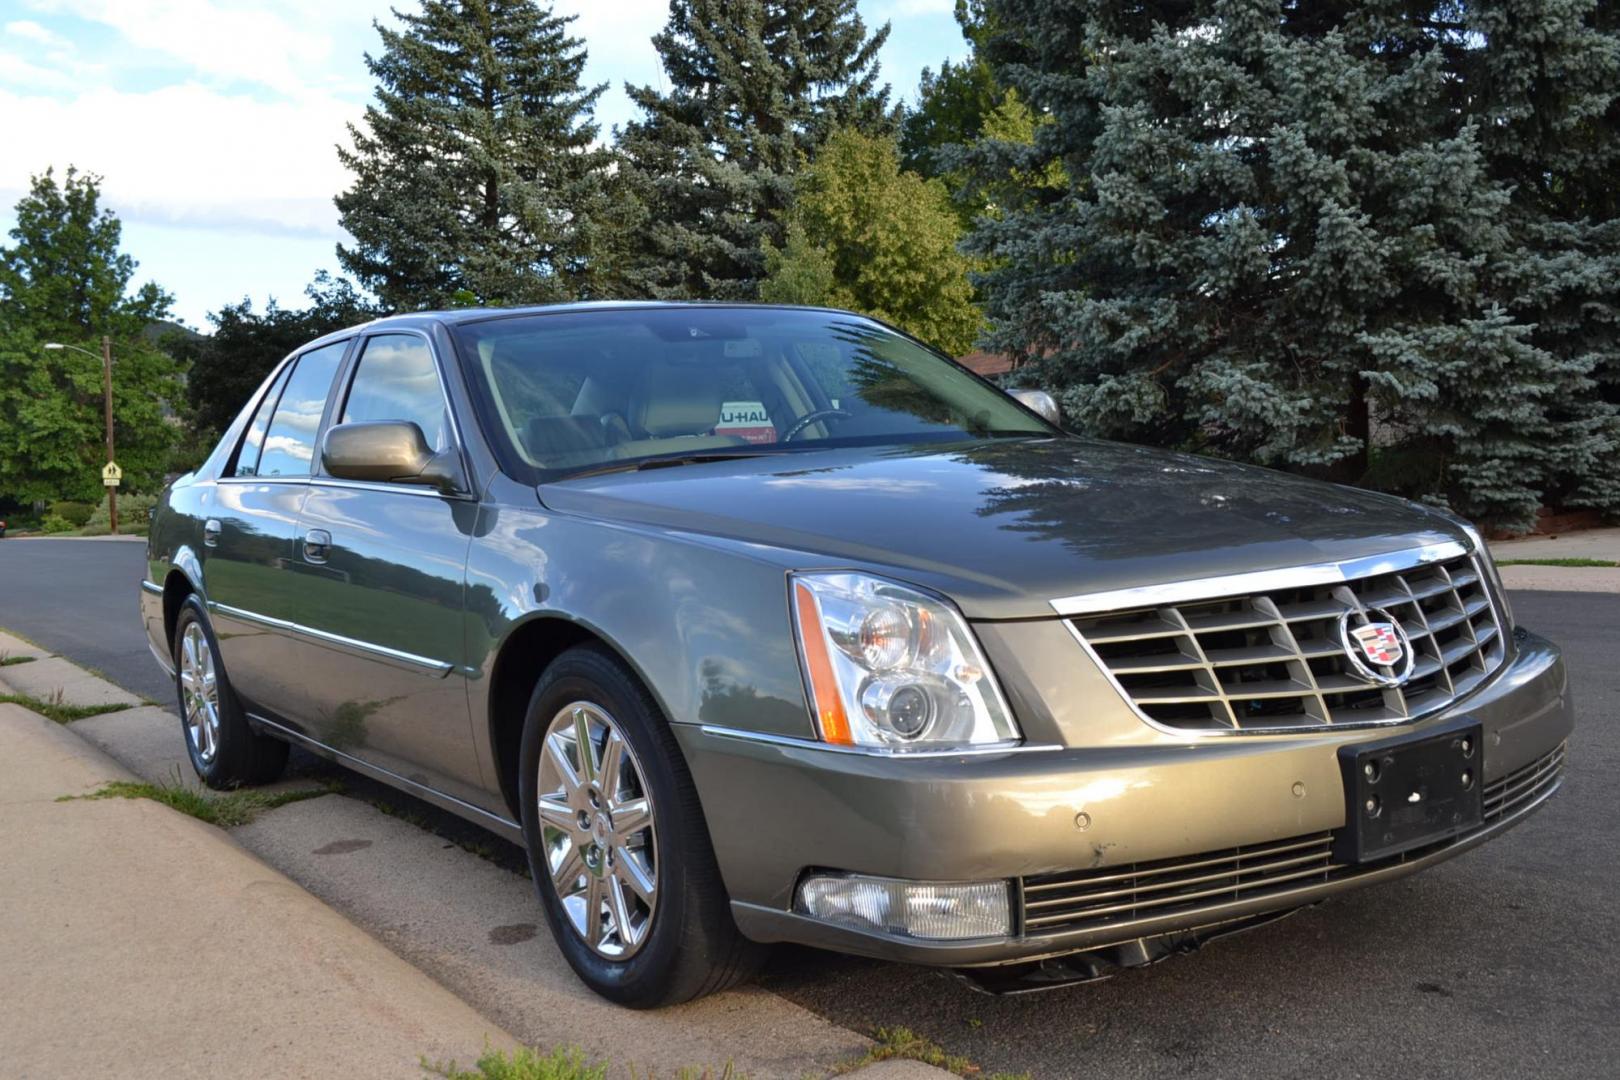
(759, 624)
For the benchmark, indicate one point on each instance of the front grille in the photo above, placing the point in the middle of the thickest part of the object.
(1098, 899)
(1276, 661)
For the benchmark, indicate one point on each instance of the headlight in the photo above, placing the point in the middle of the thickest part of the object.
(894, 669)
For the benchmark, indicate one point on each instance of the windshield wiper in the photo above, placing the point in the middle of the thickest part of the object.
(669, 461)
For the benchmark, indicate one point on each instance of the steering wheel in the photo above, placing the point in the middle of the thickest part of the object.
(811, 417)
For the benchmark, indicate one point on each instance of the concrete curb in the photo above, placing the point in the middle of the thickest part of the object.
(1598, 579)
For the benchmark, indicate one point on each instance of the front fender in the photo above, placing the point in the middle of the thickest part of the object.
(706, 626)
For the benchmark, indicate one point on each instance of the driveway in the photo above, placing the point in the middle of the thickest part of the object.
(1497, 964)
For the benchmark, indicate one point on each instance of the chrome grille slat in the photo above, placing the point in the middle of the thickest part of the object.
(1099, 899)
(1272, 661)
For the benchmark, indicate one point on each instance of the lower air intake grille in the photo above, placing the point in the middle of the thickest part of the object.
(1096, 899)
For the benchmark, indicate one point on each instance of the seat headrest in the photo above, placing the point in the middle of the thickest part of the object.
(677, 401)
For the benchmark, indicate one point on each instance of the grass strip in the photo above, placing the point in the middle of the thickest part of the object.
(56, 710)
(1556, 562)
(7, 661)
(226, 809)
(562, 1064)
(903, 1043)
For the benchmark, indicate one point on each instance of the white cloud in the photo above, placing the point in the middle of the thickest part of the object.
(286, 47)
(29, 30)
(188, 154)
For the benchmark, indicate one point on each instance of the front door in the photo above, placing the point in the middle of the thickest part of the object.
(249, 530)
(382, 573)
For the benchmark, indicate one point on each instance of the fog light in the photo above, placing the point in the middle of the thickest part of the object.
(933, 910)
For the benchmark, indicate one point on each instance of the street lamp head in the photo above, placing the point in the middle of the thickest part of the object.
(55, 345)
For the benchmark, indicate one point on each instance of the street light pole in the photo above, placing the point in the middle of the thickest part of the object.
(106, 396)
(106, 400)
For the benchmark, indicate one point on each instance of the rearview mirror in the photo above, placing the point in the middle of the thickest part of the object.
(389, 452)
(1040, 403)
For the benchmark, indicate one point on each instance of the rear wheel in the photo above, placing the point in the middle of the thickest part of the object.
(617, 843)
(225, 751)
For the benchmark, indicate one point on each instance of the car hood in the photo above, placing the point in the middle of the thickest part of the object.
(1006, 527)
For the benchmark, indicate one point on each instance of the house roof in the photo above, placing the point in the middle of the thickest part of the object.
(987, 364)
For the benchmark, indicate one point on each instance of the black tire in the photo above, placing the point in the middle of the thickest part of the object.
(233, 754)
(693, 947)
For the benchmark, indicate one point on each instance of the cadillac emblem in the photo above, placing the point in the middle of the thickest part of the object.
(1376, 646)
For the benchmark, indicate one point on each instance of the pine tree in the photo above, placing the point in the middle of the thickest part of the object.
(66, 280)
(866, 236)
(1548, 81)
(755, 87)
(476, 179)
(1278, 238)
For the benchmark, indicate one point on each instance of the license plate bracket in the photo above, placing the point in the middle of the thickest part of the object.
(1407, 792)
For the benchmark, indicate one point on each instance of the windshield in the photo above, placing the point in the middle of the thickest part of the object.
(578, 391)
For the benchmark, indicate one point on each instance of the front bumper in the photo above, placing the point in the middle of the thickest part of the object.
(778, 809)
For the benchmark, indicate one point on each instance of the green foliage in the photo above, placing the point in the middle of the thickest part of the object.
(1288, 234)
(476, 177)
(755, 88)
(903, 1044)
(65, 280)
(1547, 90)
(132, 519)
(74, 513)
(54, 708)
(227, 810)
(55, 523)
(526, 1064)
(864, 235)
(225, 368)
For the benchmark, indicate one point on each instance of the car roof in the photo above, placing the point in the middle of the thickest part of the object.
(422, 320)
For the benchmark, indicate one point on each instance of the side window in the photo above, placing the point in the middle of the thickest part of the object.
(247, 458)
(289, 444)
(396, 380)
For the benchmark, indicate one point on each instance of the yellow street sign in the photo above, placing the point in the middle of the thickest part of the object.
(111, 474)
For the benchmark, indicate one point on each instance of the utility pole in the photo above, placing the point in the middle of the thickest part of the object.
(110, 476)
(106, 394)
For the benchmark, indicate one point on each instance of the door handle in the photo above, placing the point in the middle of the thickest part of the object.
(317, 545)
(211, 532)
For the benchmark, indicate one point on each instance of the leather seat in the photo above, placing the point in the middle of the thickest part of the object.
(674, 410)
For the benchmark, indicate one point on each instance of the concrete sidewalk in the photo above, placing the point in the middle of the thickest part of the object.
(138, 942)
(1599, 544)
(464, 930)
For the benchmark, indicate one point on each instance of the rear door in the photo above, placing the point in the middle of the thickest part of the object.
(248, 534)
(382, 594)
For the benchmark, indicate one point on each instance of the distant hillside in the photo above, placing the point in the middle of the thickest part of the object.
(157, 331)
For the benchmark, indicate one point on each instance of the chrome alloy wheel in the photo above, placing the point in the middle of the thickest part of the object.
(596, 829)
(199, 690)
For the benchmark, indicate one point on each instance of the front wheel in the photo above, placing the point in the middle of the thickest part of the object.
(224, 748)
(617, 843)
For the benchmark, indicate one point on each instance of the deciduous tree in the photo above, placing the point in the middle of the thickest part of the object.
(65, 279)
(225, 368)
(865, 235)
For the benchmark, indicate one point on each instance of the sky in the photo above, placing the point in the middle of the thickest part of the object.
(213, 122)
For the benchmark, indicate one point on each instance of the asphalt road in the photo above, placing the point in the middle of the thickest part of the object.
(1502, 963)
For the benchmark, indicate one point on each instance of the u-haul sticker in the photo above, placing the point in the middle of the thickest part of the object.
(747, 420)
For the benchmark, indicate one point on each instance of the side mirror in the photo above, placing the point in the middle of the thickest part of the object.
(389, 452)
(1040, 403)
